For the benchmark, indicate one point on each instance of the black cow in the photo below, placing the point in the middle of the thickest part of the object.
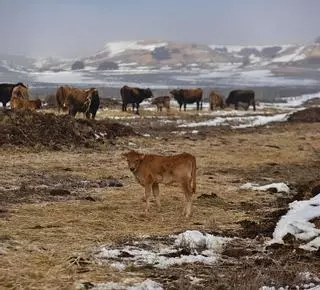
(6, 92)
(241, 96)
(134, 96)
(188, 96)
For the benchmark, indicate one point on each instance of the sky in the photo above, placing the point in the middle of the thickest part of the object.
(75, 28)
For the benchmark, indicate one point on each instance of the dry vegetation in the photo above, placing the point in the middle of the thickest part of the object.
(56, 206)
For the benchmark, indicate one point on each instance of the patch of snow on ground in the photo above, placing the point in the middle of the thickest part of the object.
(298, 101)
(239, 122)
(147, 284)
(187, 247)
(297, 222)
(280, 187)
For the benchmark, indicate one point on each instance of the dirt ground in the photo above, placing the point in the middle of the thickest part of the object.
(61, 200)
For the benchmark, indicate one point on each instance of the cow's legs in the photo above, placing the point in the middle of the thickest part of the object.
(253, 104)
(155, 190)
(4, 104)
(184, 106)
(198, 106)
(188, 197)
(124, 107)
(236, 105)
(147, 194)
(72, 111)
(180, 105)
(137, 108)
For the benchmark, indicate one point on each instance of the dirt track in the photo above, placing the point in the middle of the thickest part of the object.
(57, 206)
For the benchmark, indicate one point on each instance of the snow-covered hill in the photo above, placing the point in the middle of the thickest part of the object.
(166, 55)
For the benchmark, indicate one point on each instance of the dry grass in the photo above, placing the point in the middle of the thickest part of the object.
(49, 245)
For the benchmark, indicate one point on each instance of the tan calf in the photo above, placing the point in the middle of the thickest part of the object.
(19, 103)
(150, 170)
(216, 100)
(161, 102)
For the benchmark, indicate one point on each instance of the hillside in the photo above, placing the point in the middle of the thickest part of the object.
(169, 55)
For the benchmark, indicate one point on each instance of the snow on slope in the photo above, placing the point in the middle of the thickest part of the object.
(295, 56)
(115, 48)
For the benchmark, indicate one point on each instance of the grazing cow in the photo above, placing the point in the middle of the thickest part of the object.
(241, 96)
(150, 170)
(188, 96)
(134, 96)
(160, 102)
(216, 100)
(6, 92)
(20, 103)
(78, 100)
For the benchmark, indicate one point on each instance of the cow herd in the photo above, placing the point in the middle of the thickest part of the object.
(135, 96)
(87, 101)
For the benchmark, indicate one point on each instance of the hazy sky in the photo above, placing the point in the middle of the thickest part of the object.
(71, 28)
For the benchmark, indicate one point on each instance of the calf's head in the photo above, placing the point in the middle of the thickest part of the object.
(134, 159)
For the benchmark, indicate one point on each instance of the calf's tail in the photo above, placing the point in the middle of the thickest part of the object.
(193, 176)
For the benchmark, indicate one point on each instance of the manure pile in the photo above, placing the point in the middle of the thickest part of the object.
(28, 128)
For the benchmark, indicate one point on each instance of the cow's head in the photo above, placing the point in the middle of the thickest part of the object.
(148, 93)
(134, 159)
(20, 91)
(228, 102)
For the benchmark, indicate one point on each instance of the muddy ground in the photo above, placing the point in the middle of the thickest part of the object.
(65, 189)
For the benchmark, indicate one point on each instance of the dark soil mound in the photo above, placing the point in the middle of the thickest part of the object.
(309, 115)
(24, 127)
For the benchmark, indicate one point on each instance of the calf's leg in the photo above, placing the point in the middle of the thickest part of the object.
(147, 194)
(155, 190)
(186, 186)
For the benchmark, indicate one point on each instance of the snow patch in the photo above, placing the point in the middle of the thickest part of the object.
(147, 284)
(295, 56)
(297, 222)
(239, 122)
(188, 247)
(115, 48)
(280, 187)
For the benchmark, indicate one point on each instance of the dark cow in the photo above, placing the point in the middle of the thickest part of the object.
(216, 100)
(78, 100)
(134, 96)
(160, 102)
(188, 96)
(241, 96)
(6, 92)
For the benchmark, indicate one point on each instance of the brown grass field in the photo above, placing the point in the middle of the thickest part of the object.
(55, 209)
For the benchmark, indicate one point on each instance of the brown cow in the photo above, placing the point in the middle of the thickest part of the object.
(78, 100)
(216, 100)
(20, 91)
(150, 170)
(19, 103)
(160, 102)
(188, 96)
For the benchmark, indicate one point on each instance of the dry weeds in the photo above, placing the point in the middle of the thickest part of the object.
(47, 242)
